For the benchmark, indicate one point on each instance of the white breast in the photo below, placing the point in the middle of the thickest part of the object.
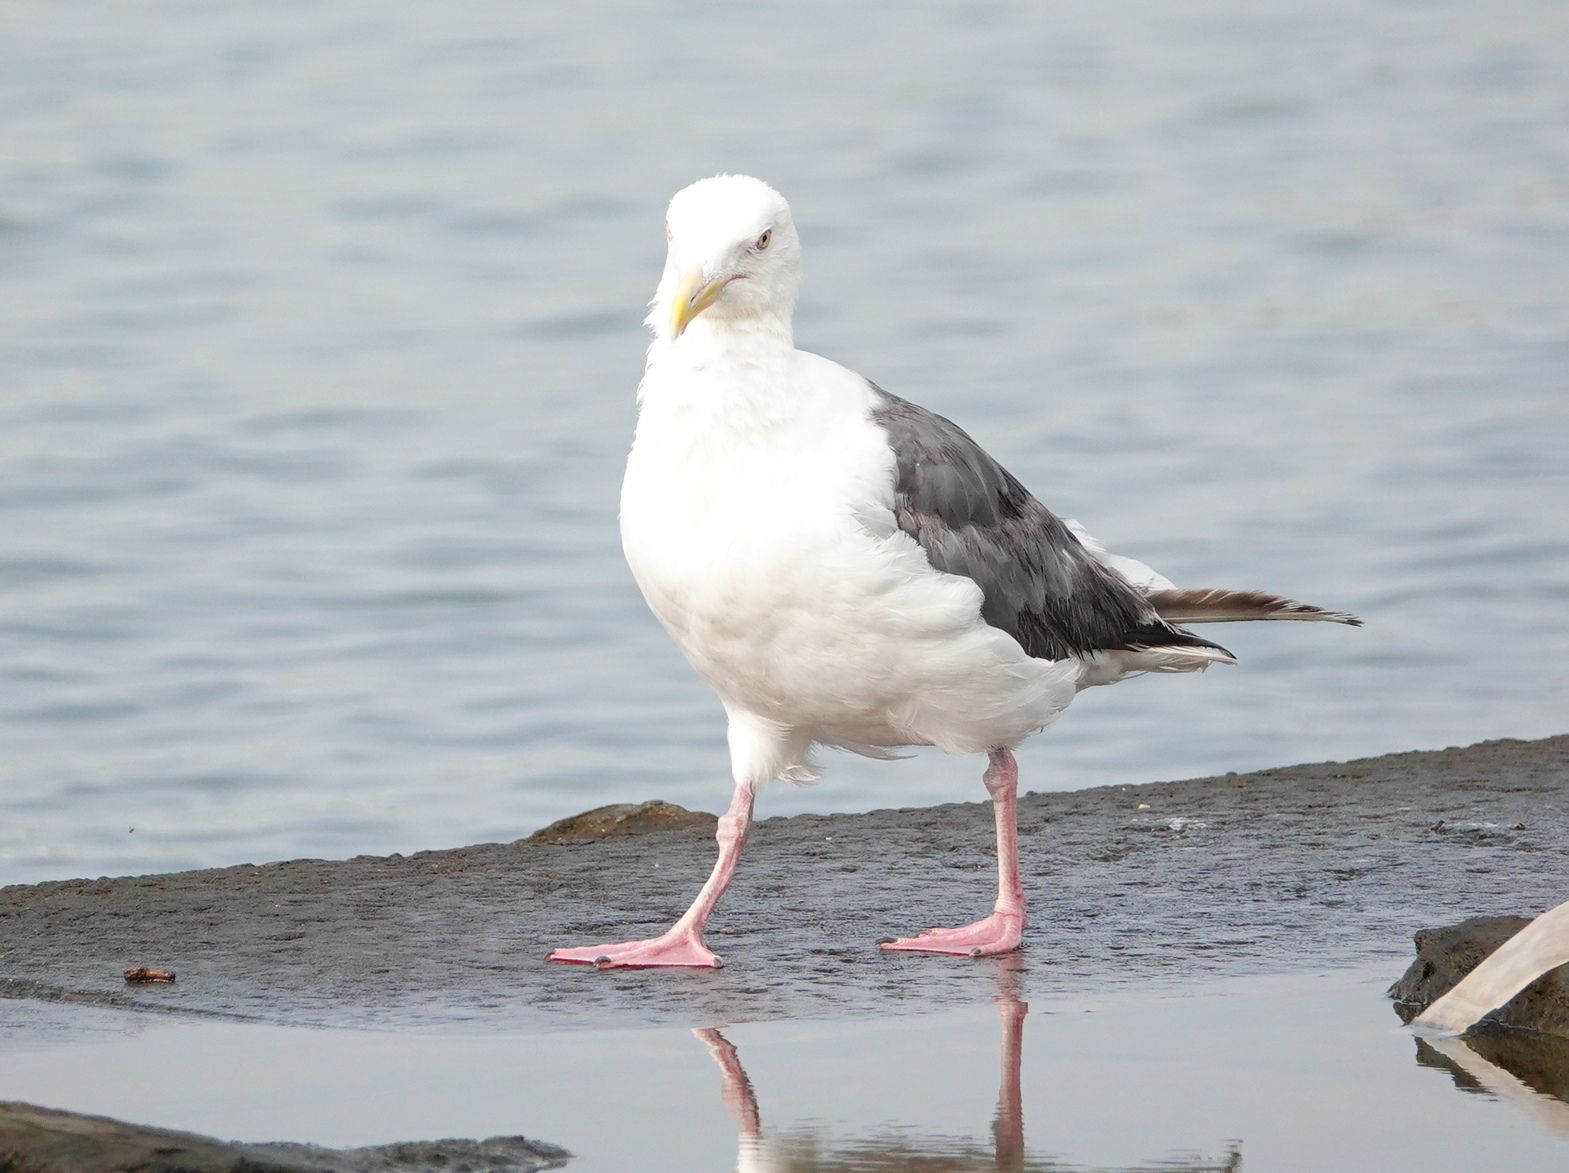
(756, 516)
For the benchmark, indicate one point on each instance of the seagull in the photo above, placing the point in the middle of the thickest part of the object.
(847, 569)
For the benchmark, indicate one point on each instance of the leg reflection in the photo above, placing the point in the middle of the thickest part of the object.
(738, 1094)
(757, 1152)
(1008, 1125)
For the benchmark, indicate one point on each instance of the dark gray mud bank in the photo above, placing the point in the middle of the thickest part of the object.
(1317, 865)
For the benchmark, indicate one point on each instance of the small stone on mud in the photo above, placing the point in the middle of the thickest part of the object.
(618, 820)
(147, 973)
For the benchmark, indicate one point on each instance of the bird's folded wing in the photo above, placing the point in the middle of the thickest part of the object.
(1144, 577)
(1040, 582)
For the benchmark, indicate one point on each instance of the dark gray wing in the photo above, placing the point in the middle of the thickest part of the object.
(973, 518)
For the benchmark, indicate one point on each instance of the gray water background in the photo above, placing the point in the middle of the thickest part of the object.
(320, 327)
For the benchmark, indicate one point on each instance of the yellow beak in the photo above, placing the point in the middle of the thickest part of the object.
(693, 296)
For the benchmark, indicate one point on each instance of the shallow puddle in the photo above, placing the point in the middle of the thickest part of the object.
(1297, 1072)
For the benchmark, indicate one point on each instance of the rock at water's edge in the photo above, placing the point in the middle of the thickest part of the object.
(35, 1140)
(1446, 955)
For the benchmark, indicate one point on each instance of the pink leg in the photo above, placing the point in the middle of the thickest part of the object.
(682, 943)
(1003, 930)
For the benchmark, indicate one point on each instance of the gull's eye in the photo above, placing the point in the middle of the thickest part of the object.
(763, 240)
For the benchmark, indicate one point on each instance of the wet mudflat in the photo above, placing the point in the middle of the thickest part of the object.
(1310, 866)
(1203, 987)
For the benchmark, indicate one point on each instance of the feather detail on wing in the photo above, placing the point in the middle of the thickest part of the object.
(1146, 578)
(1221, 606)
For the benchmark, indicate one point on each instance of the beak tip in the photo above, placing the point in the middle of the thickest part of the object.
(693, 295)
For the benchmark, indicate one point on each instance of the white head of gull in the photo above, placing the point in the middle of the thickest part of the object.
(847, 569)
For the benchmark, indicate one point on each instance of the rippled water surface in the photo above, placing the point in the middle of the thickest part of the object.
(319, 330)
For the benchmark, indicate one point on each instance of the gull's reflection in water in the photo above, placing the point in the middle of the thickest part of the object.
(803, 1150)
